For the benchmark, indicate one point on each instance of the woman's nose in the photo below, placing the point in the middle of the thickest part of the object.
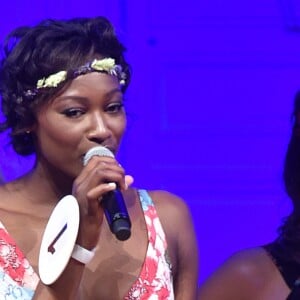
(98, 129)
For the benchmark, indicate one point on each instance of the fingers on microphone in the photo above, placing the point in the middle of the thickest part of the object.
(95, 195)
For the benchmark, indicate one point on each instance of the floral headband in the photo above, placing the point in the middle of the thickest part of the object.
(105, 65)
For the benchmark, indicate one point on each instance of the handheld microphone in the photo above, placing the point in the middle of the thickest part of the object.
(113, 203)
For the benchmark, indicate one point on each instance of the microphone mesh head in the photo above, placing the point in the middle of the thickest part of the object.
(96, 151)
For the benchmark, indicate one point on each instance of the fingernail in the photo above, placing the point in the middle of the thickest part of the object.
(112, 184)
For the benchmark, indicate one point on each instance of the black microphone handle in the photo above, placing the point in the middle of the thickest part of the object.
(113, 203)
(116, 214)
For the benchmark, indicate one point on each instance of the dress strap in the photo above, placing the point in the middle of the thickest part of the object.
(145, 199)
(295, 293)
(289, 270)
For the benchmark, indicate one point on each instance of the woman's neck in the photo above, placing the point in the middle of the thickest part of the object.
(49, 185)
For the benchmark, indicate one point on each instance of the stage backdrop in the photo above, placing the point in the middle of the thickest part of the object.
(209, 106)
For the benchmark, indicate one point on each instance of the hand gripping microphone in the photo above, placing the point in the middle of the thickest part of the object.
(113, 203)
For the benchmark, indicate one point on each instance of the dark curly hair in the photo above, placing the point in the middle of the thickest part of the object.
(31, 53)
(289, 232)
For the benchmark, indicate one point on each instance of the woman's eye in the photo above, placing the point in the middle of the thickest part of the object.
(114, 107)
(73, 112)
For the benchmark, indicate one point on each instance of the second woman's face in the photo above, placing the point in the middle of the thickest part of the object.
(88, 113)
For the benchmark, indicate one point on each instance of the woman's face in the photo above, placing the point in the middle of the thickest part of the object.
(88, 113)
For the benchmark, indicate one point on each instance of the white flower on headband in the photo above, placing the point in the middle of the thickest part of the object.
(53, 80)
(105, 64)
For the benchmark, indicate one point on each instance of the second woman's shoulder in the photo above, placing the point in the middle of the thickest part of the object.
(247, 274)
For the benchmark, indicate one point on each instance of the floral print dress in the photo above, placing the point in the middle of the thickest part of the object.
(17, 278)
(155, 280)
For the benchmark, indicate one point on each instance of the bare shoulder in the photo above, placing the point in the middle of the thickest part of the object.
(162, 195)
(172, 210)
(169, 202)
(248, 274)
(250, 262)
